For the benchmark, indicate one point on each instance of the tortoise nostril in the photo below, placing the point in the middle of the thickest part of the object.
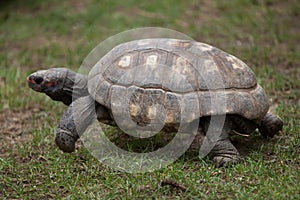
(30, 78)
(37, 79)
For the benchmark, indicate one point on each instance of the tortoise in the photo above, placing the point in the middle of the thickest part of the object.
(140, 68)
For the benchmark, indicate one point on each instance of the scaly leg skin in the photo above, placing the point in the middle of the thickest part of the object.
(79, 115)
(223, 151)
(270, 125)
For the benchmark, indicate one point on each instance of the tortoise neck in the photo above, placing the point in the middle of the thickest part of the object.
(75, 85)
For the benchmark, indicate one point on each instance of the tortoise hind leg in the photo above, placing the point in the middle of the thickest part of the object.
(223, 151)
(270, 125)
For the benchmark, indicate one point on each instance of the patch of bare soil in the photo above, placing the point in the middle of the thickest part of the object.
(15, 129)
(137, 12)
(201, 13)
(78, 5)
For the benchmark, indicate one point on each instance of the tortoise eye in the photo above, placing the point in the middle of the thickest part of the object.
(38, 79)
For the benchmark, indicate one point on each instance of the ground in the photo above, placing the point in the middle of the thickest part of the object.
(42, 34)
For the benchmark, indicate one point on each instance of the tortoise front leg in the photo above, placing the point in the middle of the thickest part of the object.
(79, 115)
(223, 151)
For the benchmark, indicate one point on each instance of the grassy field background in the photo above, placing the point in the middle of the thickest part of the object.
(41, 34)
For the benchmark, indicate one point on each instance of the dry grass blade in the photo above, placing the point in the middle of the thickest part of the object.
(174, 184)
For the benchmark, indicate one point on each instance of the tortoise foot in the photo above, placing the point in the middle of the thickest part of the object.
(64, 141)
(225, 160)
(224, 153)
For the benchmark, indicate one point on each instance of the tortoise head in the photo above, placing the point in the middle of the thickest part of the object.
(47, 81)
(60, 84)
(54, 83)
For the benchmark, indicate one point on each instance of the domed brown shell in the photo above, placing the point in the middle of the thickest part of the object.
(174, 80)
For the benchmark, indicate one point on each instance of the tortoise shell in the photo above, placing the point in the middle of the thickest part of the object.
(159, 78)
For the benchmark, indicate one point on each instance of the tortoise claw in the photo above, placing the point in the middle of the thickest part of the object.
(223, 161)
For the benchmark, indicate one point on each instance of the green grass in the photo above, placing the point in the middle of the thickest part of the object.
(41, 34)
